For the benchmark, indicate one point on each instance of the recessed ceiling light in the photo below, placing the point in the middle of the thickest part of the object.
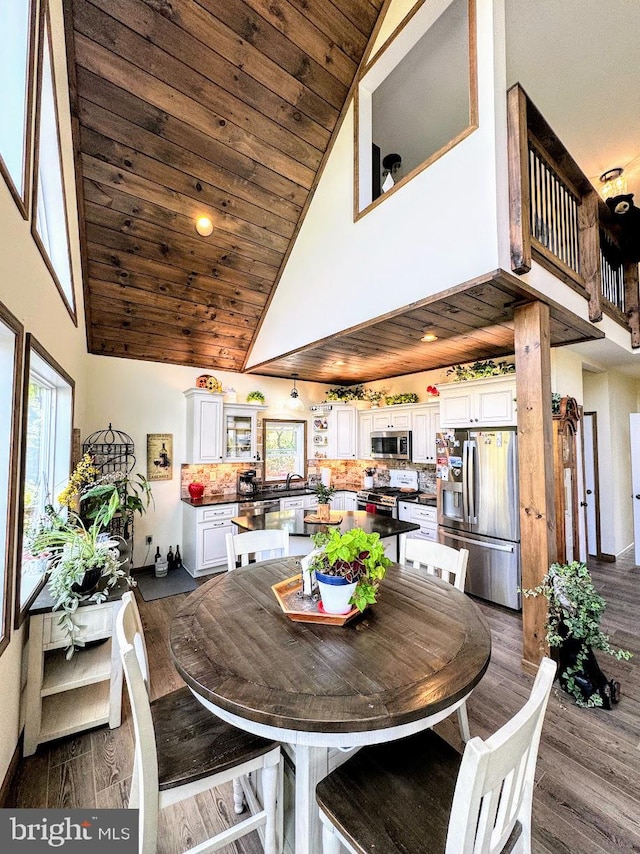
(429, 336)
(338, 363)
(204, 226)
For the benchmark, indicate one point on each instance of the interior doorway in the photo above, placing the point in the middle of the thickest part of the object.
(591, 497)
(634, 424)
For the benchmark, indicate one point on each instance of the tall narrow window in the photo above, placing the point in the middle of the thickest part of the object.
(16, 66)
(50, 226)
(46, 453)
(11, 340)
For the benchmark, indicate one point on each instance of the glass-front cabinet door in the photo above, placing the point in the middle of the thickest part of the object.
(240, 425)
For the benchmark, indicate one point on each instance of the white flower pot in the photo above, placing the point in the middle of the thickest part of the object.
(335, 593)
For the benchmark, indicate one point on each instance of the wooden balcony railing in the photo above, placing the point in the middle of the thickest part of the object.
(558, 219)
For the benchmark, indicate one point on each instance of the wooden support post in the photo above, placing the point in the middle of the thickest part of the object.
(589, 242)
(518, 165)
(632, 300)
(535, 464)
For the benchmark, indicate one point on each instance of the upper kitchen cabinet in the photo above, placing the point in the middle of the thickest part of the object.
(335, 432)
(217, 433)
(392, 418)
(479, 403)
(425, 423)
(365, 428)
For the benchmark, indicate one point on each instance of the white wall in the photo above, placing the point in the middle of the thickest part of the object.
(437, 231)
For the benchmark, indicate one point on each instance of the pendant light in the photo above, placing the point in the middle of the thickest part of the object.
(295, 401)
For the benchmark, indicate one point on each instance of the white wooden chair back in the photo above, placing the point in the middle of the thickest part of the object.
(438, 559)
(263, 544)
(144, 783)
(495, 782)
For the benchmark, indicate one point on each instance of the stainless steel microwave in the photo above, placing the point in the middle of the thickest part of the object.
(391, 445)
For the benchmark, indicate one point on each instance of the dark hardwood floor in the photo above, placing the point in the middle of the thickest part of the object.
(587, 797)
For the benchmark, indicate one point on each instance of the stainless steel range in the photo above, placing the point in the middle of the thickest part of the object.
(383, 500)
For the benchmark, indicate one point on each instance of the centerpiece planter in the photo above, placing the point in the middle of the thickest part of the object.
(336, 593)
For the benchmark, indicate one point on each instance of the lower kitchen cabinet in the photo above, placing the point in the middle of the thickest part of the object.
(204, 530)
(64, 697)
(420, 514)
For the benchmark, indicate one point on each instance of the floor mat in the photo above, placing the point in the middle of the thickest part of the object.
(176, 581)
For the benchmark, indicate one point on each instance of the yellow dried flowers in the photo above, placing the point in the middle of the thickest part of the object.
(84, 473)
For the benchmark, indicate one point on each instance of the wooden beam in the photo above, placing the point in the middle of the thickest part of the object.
(518, 165)
(589, 240)
(632, 300)
(535, 464)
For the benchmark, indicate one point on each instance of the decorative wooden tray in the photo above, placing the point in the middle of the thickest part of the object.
(334, 519)
(304, 609)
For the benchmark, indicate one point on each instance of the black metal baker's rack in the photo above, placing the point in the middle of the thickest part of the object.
(113, 453)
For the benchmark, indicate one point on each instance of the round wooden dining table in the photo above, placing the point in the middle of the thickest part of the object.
(322, 690)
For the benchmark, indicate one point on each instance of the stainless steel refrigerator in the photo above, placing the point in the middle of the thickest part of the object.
(478, 508)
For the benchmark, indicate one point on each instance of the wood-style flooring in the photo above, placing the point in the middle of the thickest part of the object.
(587, 796)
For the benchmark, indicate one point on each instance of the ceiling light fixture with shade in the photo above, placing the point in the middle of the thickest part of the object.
(613, 183)
(428, 337)
(295, 402)
(204, 226)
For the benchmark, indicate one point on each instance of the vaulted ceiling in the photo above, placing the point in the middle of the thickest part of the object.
(183, 108)
(228, 108)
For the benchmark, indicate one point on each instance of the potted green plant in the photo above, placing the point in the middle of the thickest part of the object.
(324, 494)
(404, 397)
(573, 629)
(83, 563)
(255, 397)
(375, 395)
(346, 394)
(348, 568)
(479, 369)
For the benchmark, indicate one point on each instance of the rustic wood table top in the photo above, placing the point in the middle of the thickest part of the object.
(423, 646)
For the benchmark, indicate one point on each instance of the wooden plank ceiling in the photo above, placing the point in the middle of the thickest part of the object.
(227, 108)
(473, 321)
(184, 108)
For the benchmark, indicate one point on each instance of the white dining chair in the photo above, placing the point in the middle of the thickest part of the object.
(420, 795)
(448, 564)
(261, 544)
(182, 749)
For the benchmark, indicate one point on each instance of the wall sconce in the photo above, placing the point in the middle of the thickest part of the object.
(391, 165)
(614, 183)
(295, 402)
(204, 226)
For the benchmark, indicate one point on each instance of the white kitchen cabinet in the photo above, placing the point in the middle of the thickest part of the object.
(479, 403)
(204, 426)
(350, 501)
(425, 423)
(64, 697)
(365, 428)
(219, 433)
(298, 502)
(392, 418)
(335, 432)
(420, 514)
(203, 535)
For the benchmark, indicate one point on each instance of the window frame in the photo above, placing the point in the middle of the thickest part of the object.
(10, 555)
(32, 345)
(22, 201)
(44, 31)
(302, 424)
(363, 95)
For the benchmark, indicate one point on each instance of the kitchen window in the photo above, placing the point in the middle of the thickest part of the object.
(50, 226)
(11, 340)
(46, 455)
(17, 22)
(284, 449)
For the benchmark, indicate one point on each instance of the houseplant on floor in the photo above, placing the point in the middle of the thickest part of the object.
(573, 628)
(348, 568)
(324, 494)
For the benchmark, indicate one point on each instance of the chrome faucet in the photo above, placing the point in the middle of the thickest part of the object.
(291, 476)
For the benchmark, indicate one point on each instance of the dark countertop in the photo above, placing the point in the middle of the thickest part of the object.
(241, 498)
(293, 521)
(427, 498)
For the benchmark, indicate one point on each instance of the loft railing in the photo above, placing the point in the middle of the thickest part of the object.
(558, 219)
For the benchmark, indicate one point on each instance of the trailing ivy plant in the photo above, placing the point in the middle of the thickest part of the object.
(475, 371)
(575, 611)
